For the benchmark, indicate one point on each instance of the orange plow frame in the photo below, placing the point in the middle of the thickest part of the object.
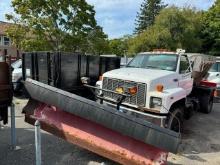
(94, 137)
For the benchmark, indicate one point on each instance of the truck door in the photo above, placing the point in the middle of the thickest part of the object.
(185, 81)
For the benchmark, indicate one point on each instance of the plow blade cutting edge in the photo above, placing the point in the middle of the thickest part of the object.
(98, 128)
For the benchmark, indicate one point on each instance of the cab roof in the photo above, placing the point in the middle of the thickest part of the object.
(143, 53)
(164, 51)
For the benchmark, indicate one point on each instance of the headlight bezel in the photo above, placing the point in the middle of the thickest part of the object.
(156, 102)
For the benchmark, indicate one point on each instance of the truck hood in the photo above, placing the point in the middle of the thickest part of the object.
(139, 74)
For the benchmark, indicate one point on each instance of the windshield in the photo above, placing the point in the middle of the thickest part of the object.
(17, 64)
(155, 61)
(215, 67)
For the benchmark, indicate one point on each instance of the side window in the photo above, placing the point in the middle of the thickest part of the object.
(184, 65)
(6, 41)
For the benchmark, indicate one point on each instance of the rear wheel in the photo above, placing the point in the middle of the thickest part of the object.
(175, 120)
(206, 103)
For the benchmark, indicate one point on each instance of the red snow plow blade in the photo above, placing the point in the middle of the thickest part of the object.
(98, 128)
(96, 138)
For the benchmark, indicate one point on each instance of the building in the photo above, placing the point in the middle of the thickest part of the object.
(6, 48)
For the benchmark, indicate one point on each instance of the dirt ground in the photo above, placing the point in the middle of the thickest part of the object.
(200, 144)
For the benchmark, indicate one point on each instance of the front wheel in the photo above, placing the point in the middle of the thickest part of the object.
(175, 120)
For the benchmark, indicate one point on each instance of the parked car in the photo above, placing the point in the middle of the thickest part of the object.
(17, 75)
(214, 75)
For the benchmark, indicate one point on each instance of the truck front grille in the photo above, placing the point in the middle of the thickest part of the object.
(138, 100)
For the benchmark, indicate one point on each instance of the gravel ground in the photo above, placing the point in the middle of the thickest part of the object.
(200, 144)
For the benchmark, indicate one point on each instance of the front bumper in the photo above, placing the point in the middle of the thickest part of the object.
(152, 117)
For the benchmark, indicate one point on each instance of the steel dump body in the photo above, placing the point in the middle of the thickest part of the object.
(99, 128)
(201, 65)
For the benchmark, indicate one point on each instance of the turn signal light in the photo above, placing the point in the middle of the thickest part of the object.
(119, 90)
(133, 90)
(159, 88)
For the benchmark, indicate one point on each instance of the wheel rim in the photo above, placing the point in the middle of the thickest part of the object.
(175, 124)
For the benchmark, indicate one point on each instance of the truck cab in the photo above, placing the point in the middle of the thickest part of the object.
(158, 85)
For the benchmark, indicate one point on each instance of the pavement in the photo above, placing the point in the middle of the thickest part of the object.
(200, 144)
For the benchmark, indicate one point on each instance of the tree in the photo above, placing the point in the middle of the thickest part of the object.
(148, 11)
(97, 42)
(184, 26)
(211, 29)
(119, 46)
(16, 32)
(173, 28)
(59, 24)
(22, 39)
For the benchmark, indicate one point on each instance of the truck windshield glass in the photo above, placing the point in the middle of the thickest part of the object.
(155, 61)
(215, 67)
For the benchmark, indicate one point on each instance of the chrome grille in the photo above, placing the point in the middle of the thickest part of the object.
(138, 99)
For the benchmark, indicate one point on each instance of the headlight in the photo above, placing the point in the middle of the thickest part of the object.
(156, 102)
(119, 90)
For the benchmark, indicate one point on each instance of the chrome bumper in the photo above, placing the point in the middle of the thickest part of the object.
(151, 117)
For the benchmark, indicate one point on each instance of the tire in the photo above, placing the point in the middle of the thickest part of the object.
(175, 121)
(206, 104)
(25, 92)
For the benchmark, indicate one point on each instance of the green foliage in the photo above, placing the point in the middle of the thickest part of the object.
(97, 42)
(148, 11)
(70, 25)
(211, 29)
(16, 32)
(59, 24)
(119, 46)
(173, 28)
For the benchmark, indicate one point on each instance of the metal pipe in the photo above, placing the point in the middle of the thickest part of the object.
(106, 90)
(37, 142)
(13, 130)
(139, 112)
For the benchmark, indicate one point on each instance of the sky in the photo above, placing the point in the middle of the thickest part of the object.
(117, 17)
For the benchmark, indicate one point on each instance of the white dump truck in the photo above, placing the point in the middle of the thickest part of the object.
(162, 87)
